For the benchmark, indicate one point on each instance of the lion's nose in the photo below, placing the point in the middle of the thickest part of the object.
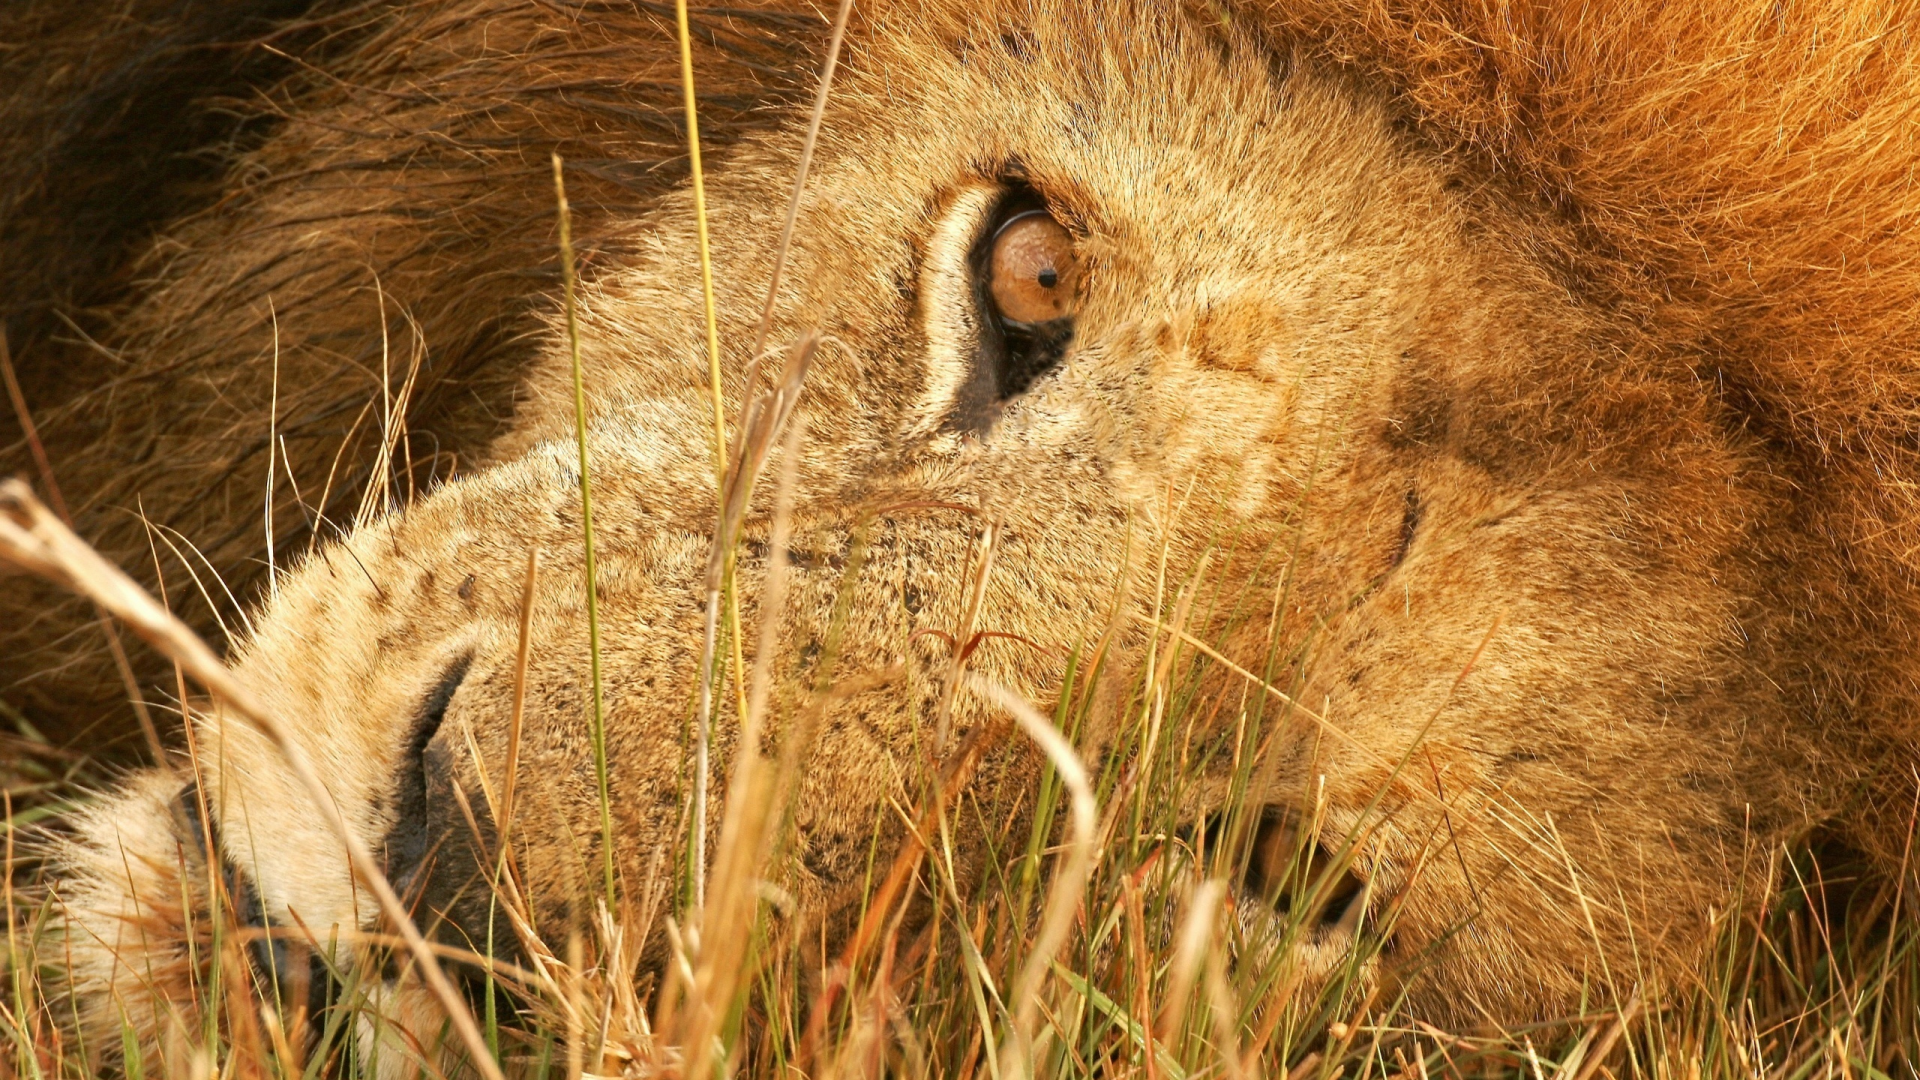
(438, 840)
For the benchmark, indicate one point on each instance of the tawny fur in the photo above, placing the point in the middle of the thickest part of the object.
(1578, 338)
(136, 944)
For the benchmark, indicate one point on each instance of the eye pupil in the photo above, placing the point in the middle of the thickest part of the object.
(1032, 269)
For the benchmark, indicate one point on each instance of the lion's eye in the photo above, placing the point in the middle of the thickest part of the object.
(1024, 279)
(1031, 272)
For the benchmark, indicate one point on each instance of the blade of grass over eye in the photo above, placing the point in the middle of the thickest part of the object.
(598, 716)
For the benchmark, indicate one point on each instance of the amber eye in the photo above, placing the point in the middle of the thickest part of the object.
(1032, 269)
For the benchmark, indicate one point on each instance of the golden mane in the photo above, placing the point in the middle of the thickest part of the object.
(1741, 174)
(1737, 179)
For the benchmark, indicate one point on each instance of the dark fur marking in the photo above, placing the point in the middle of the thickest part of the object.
(443, 835)
(1422, 404)
(454, 892)
(272, 955)
(1409, 527)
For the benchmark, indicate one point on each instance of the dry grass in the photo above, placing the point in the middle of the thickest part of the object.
(1158, 974)
(1108, 941)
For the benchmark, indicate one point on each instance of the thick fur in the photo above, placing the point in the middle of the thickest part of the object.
(1577, 338)
(142, 887)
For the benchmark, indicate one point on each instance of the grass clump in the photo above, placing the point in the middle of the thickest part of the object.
(1142, 958)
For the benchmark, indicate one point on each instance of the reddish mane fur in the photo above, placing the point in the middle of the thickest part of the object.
(1739, 176)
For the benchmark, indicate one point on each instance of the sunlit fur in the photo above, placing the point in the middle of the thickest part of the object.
(1546, 375)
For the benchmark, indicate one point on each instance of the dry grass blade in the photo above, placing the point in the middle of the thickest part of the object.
(774, 593)
(1226, 1015)
(959, 772)
(1604, 1045)
(725, 453)
(703, 744)
(28, 430)
(726, 960)
(807, 144)
(598, 716)
(1161, 672)
(1180, 633)
(763, 419)
(1069, 886)
(697, 181)
(517, 722)
(33, 539)
(1189, 952)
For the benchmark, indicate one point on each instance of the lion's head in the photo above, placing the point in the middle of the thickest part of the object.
(1132, 329)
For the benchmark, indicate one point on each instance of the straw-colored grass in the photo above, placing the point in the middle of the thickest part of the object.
(1107, 939)
(1108, 942)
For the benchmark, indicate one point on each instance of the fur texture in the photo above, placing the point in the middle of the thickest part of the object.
(1569, 342)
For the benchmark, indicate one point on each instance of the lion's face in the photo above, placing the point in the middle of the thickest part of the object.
(1133, 295)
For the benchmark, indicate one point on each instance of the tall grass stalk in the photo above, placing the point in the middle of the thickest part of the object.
(805, 162)
(718, 592)
(598, 715)
(1068, 889)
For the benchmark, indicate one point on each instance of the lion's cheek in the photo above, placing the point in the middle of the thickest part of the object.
(1458, 723)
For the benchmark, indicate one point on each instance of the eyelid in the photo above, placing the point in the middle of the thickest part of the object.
(1022, 216)
(949, 310)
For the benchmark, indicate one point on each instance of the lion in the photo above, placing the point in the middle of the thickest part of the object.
(1535, 384)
